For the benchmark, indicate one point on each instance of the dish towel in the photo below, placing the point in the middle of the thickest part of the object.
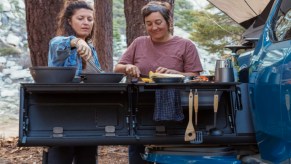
(168, 105)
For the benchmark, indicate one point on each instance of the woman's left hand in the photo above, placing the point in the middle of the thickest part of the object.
(166, 70)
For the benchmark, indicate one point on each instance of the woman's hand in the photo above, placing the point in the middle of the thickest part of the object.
(83, 49)
(166, 70)
(132, 70)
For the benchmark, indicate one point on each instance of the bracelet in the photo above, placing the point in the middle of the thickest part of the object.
(76, 42)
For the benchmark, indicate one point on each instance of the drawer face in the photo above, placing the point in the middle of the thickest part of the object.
(75, 116)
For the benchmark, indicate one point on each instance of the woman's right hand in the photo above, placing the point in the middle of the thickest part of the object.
(132, 70)
(83, 49)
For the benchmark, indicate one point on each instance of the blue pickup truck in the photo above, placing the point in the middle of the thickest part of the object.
(270, 84)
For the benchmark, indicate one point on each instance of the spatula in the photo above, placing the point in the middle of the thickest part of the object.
(190, 131)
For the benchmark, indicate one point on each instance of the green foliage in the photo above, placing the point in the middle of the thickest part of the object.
(182, 15)
(183, 5)
(1, 8)
(213, 31)
(4, 51)
(118, 27)
(210, 30)
(184, 20)
(118, 45)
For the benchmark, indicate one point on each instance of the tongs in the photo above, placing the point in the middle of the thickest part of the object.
(93, 67)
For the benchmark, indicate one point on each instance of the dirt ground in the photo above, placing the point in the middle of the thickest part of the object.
(11, 154)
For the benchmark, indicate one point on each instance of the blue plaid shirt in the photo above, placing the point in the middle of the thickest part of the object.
(62, 54)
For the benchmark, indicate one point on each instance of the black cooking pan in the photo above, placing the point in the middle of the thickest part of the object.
(102, 77)
(44, 74)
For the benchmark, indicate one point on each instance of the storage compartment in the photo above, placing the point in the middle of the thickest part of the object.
(122, 114)
(146, 105)
(72, 116)
(164, 132)
(243, 117)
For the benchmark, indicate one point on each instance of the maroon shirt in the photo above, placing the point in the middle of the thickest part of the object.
(178, 54)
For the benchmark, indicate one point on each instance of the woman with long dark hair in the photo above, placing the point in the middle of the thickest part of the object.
(72, 47)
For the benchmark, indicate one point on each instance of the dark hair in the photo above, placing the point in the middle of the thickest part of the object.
(164, 8)
(64, 28)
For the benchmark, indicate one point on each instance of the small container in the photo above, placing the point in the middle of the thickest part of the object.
(224, 71)
(224, 75)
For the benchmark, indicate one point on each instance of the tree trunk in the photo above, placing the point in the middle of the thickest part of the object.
(103, 39)
(134, 21)
(41, 26)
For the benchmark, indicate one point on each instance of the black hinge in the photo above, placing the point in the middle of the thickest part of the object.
(23, 141)
(109, 130)
(25, 124)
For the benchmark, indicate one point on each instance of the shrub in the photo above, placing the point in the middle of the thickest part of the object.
(4, 51)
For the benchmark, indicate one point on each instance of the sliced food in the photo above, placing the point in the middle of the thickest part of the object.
(161, 75)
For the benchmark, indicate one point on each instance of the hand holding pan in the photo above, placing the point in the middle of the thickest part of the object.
(190, 131)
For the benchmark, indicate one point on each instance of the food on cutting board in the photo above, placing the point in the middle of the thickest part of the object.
(146, 80)
(200, 79)
(166, 75)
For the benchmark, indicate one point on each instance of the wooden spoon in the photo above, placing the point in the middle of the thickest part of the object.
(190, 131)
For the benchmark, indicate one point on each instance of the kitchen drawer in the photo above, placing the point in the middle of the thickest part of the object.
(66, 118)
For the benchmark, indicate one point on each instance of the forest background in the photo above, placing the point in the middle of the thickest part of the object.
(119, 22)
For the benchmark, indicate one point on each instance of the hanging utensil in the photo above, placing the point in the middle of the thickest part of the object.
(93, 67)
(215, 106)
(215, 131)
(190, 131)
(196, 106)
